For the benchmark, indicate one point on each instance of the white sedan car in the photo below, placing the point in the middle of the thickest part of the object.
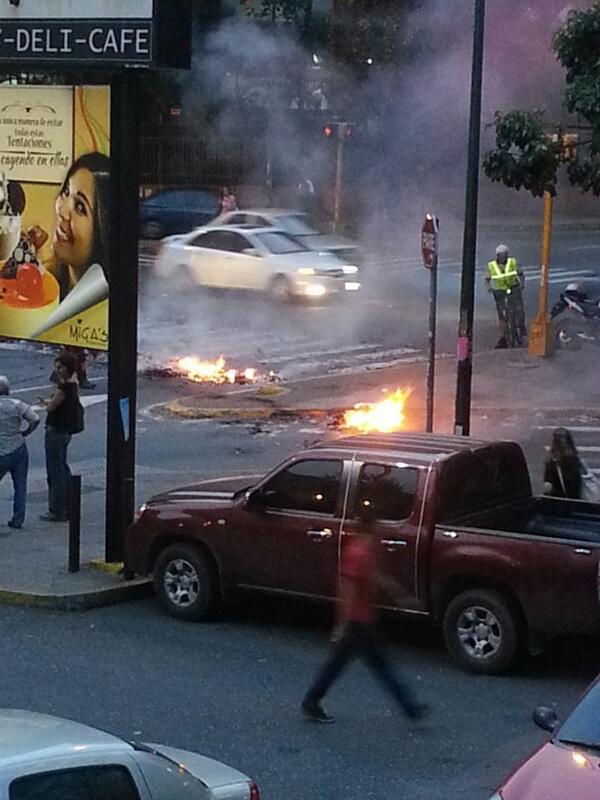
(259, 259)
(297, 224)
(48, 758)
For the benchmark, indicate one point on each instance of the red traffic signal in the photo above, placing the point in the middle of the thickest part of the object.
(328, 131)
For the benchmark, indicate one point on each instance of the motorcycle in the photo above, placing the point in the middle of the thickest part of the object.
(581, 322)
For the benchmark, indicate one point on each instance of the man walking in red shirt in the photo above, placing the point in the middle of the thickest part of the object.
(353, 633)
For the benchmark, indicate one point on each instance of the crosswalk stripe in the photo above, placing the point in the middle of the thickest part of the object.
(580, 428)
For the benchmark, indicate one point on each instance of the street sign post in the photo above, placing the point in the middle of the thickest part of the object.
(430, 249)
(111, 40)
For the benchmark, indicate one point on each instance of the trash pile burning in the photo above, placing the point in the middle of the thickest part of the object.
(203, 371)
(386, 416)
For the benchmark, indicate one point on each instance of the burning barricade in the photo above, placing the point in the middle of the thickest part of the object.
(386, 416)
(211, 372)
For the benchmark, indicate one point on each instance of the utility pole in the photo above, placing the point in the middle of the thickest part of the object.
(464, 375)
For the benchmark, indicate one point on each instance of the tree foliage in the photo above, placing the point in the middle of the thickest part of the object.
(525, 156)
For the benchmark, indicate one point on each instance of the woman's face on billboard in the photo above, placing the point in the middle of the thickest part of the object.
(74, 234)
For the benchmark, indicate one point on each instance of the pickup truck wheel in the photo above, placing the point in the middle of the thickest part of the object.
(481, 631)
(184, 582)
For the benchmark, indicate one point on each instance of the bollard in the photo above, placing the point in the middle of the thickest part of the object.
(74, 522)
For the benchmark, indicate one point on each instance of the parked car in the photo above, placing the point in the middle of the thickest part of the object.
(567, 766)
(43, 756)
(297, 224)
(166, 213)
(258, 259)
(476, 553)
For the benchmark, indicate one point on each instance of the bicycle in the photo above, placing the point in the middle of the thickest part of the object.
(510, 316)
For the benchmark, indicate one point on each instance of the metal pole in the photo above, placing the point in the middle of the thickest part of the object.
(74, 523)
(268, 172)
(432, 334)
(467, 290)
(122, 363)
(339, 168)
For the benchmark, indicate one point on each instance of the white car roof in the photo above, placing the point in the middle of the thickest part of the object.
(267, 212)
(29, 736)
(246, 228)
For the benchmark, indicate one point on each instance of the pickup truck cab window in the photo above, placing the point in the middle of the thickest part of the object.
(85, 783)
(391, 489)
(311, 486)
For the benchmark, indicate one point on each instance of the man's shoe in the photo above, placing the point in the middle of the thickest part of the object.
(54, 517)
(417, 711)
(315, 712)
(12, 524)
(501, 344)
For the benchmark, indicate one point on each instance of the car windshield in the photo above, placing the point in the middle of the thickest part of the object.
(294, 224)
(280, 243)
(582, 726)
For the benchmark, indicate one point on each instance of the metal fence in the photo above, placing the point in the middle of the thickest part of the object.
(185, 161)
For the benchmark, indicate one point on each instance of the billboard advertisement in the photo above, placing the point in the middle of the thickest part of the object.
(54, 214)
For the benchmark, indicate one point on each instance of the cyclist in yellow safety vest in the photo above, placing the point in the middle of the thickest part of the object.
(504, 276)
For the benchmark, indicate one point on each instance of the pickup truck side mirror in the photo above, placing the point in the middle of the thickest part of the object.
(254, 499)
(545, 718)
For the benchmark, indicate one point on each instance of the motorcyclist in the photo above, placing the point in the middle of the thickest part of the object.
(505, 277)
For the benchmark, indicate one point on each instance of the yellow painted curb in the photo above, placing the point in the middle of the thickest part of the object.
(177, 409)
(113, 568)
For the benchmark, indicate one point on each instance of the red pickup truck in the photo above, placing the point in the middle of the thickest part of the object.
(459, 528)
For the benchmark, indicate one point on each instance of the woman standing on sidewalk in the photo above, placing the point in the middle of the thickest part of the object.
(563, 469)
(65, 417)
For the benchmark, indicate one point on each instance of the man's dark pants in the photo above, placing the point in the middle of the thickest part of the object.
(57, 471)
(17, 463)
(359, 639)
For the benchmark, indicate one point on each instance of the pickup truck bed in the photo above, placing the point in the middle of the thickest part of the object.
(540, 516)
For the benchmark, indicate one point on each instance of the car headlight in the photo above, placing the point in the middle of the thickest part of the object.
(350, 269)
(306, 271)
(315, 290)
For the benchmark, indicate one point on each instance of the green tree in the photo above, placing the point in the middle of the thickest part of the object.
(525, 156)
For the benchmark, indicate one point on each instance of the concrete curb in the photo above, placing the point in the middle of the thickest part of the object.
(78, 601)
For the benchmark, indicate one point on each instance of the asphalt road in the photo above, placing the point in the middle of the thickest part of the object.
(386, 322)
(231, 689)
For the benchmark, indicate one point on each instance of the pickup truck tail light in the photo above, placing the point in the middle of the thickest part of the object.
(254, 793)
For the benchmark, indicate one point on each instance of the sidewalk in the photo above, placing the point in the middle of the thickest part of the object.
(506, 385)
(34, 561)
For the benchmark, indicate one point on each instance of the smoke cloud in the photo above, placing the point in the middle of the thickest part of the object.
(419, 163)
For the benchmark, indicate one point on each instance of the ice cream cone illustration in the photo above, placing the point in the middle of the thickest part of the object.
(90, 290)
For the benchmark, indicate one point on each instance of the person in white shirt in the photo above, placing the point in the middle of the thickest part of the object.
(17, 420)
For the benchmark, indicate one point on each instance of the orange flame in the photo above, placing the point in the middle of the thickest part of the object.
(213, 371)
(386, 416)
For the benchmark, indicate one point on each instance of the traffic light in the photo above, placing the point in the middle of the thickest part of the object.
(328, 131)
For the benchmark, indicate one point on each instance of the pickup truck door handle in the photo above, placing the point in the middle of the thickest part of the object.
(450, 534)
(324, 533)
(583, 551)
(394, 544)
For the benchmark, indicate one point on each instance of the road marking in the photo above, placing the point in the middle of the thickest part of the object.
(93, 399)
(580, 428)
(24, 390)
(588, 449)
